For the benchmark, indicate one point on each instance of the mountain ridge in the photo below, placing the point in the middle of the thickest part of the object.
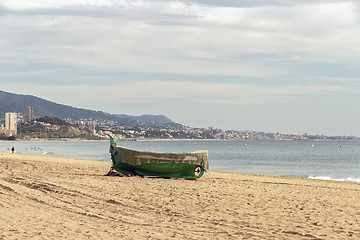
(148, 118)
(12, 102)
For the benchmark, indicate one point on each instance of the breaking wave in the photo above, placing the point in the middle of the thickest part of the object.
(348, 179)
(48, 153)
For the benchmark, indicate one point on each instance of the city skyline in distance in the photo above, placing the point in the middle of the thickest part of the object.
(17, 104)
(262, 65)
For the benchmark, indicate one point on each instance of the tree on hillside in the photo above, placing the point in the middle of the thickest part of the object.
(53, 121)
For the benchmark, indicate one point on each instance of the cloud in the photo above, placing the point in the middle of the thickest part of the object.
(97, 53)
(257, 3)
(159, 91)
(179, 37)
(53, 4)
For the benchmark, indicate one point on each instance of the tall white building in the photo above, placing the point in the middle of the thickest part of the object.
(11, 123)
(30, 113)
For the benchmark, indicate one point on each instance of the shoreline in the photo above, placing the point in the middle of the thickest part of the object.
(161, 139)
(53, 140)
(315, 177)
(55, 197)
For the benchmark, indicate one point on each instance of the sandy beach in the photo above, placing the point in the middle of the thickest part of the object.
(44, 197)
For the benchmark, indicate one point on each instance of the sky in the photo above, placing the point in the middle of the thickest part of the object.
(287, 66)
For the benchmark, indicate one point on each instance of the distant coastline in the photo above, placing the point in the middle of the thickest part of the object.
(47, 128)
(168, 139)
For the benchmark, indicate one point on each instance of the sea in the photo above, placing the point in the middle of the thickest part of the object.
(327, 160)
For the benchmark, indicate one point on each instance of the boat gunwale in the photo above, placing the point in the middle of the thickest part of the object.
(201, 151)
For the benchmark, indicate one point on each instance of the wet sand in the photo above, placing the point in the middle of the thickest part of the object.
(44, 197)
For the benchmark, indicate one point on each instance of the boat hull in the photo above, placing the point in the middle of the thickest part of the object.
(177, 165)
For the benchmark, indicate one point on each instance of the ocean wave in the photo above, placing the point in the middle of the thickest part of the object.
(348, 179)
(48, 153)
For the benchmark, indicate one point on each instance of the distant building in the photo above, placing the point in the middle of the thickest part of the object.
(11, 124)
(2, 129)
(29, 113)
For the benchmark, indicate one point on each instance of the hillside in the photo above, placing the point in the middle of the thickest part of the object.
(11, 102)
(157, 119)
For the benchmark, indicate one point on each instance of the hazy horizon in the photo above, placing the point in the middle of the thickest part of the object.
(270, 66)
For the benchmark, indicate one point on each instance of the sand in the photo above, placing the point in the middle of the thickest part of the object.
(45, 197)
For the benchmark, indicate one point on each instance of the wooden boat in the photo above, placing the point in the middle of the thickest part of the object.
(177, 165)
